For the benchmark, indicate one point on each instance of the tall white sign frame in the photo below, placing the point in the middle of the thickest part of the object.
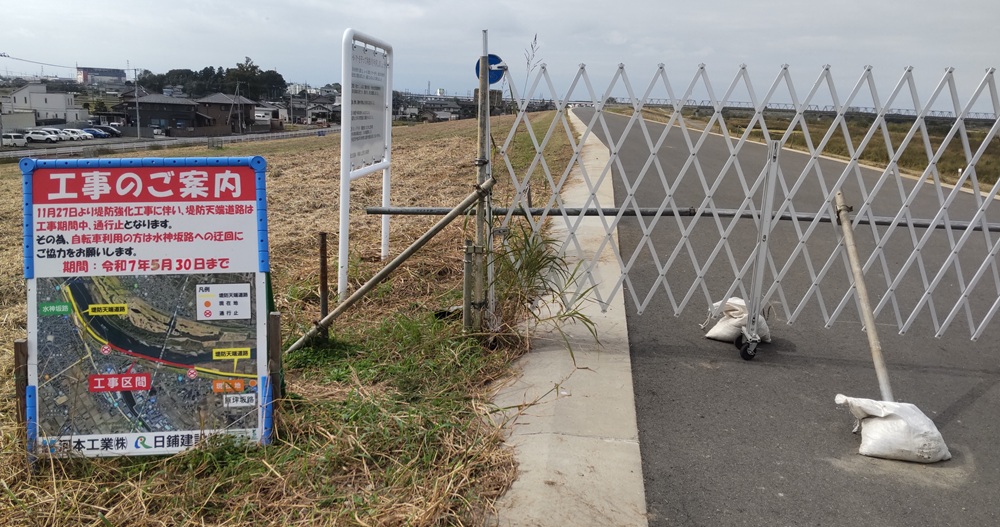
(365, 131)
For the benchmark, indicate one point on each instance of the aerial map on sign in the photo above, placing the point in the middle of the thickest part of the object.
(159, 354)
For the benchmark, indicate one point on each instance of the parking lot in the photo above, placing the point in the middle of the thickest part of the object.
(129, 142)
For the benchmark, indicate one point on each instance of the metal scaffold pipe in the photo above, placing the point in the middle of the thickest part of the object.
(866, 309)
(460, 209)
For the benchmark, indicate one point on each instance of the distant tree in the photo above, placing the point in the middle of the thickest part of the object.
(270, 85)
(64, 86)
(99, 106)
(241, 78)
(152, 82)
(180, 77)
(398, 101)
(253, 82)
(204, 83)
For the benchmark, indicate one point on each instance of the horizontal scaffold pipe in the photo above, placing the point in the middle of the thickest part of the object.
(459, 210)
(688, 211)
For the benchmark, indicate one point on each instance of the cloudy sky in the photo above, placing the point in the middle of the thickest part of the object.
(437, 42)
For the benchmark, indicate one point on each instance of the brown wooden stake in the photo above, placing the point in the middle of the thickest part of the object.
(275, 371)
(324, 286)
(21, 382)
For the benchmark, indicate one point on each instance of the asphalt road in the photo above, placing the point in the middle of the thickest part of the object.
(731, 442)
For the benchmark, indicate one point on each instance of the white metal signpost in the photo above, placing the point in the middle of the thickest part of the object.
(366, 131)
(147, 308)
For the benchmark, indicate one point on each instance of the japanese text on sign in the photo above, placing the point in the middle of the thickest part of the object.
(369, 73)
(143, 220)
(125, 382)
(141, 184)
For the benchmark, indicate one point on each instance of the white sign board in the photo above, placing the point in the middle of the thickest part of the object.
(368, 90)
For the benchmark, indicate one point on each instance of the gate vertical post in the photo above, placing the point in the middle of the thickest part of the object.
(760, 262)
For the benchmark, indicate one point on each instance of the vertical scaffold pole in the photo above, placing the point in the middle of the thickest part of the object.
(868, 317)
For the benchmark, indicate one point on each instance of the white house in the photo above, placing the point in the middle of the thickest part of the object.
(48, 106)
(11, 120)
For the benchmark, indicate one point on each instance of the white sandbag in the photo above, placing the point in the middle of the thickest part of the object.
(895, 431)
(732, 319)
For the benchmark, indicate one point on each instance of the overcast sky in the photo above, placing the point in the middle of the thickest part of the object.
(437, 42)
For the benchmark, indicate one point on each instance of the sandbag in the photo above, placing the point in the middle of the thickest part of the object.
(893, 430)
(732, 319)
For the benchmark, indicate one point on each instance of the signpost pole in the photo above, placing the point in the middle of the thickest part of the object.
(483, 163)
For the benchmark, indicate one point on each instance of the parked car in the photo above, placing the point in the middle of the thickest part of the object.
(108, 129)
(62, 135)
(99, 134)
(13, 139)
(80, 134)
(40, 136)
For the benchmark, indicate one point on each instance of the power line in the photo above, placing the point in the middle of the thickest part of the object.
(6, 56)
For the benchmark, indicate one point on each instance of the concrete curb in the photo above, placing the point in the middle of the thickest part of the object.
(573, 425)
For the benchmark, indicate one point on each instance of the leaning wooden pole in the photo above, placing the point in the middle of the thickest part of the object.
(866, 309)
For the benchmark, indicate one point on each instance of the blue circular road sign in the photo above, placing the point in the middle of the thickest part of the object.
(495, 74)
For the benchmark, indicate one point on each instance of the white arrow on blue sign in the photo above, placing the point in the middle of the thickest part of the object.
(495, 73)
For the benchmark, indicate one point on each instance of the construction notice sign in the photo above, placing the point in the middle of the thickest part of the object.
(367, 99)
(146, 303)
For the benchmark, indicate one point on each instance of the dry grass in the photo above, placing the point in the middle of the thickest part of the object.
(370, 434)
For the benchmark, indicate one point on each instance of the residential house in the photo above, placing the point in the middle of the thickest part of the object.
(440, 109)
(298, 109)
(269, 117)
(297, 88)
(330, 90)
(235, 112)
(9, 119)
(49, 108)
(323, 109)
(174, 91)
(173, 115)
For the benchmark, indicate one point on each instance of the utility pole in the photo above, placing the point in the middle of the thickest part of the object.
(138, 130)
(475, 254)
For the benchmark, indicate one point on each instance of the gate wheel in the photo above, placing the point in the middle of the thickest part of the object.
(744, 346)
